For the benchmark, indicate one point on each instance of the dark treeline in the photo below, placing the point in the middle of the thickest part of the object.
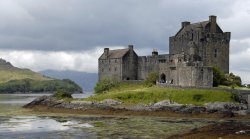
(34, 86)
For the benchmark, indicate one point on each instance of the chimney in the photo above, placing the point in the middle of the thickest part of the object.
(154, 53)
(184, 24)
(106, 52)
(131, 47)
(212, 20)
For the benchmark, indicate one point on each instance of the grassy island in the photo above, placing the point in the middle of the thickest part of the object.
(135, 93)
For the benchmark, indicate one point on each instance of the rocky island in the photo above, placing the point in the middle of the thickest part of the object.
(137, 99)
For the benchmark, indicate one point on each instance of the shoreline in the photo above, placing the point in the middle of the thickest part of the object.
(111, 107)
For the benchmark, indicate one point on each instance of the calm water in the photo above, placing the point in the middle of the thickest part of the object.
(17, 122)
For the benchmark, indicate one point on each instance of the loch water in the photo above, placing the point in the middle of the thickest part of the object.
(18, 122)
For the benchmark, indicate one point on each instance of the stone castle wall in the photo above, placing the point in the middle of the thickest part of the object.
(130, 66)
(110, 68)
(193, 51)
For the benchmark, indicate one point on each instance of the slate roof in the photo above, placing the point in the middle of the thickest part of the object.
(194, 26)
(118, 53)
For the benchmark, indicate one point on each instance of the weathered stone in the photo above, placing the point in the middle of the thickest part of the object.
(110, 102)
(227, 109)
(219, 106)
(193, 51)
(162, 103)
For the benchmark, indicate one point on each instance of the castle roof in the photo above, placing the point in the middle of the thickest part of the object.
(194, 26)
(118, 53)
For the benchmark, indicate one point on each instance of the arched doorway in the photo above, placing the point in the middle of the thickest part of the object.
(163, 78)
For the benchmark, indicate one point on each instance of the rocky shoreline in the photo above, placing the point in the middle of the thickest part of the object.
(226, 109)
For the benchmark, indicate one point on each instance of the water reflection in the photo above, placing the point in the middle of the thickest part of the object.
(46, 127)
(20, 99)
(16, 122)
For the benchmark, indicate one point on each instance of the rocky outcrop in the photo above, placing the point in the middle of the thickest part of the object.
(165, 105)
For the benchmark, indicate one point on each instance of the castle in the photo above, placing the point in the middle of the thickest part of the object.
(193, 51)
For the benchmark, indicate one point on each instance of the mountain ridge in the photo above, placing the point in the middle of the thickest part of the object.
(84, 79)
(17, 80)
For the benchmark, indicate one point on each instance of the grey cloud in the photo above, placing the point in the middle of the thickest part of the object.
(84, 24)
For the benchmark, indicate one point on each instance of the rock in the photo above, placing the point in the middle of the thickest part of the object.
(162, 103)
(83, 102)
(241, 112)
(193, 109)
(227, 113)
(36, 101)
(110, 102)
(227, 109)
(221, 106)
(241, 132)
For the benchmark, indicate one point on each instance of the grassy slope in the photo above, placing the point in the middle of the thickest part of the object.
(237, 87)
(137, 93)
(7, 75)
(9, 72)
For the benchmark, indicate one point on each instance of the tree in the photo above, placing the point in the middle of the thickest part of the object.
(105, 85)
(151, 79)
(248, 86)
(218, 76)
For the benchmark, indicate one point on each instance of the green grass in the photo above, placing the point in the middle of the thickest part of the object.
(139, 94)
(237, 87)
(19, 74)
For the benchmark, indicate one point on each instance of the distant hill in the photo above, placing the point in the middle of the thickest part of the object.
(9, 72)
(13, 80)
(86, 80)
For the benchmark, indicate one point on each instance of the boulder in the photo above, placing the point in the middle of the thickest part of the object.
(221, 106)
(110, 102)
(162, 103)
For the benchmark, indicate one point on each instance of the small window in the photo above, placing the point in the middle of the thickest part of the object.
(109, 69)
(215, 52)
(115, 61)
(115, 69)
(102, 70)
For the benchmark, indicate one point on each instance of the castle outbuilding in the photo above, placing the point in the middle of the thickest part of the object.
(193, 51)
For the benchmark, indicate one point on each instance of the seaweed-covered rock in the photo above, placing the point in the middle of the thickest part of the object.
(220, 106)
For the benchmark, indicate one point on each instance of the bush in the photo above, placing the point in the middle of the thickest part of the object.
(197, 97)
(105, 85)
(219, 78)
(151, 79)
(62, 95)
(235, 97)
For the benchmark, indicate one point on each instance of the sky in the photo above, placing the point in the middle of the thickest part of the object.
(71, 34)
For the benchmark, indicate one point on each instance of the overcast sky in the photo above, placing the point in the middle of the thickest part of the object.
(71, 34)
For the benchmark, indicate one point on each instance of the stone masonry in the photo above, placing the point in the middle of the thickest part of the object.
(193, 51)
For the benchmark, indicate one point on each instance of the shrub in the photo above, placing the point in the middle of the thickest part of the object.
(197, 97)
(151, 79)
(220, 78)
(105, 85)
(62, 95)
(235, 96)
